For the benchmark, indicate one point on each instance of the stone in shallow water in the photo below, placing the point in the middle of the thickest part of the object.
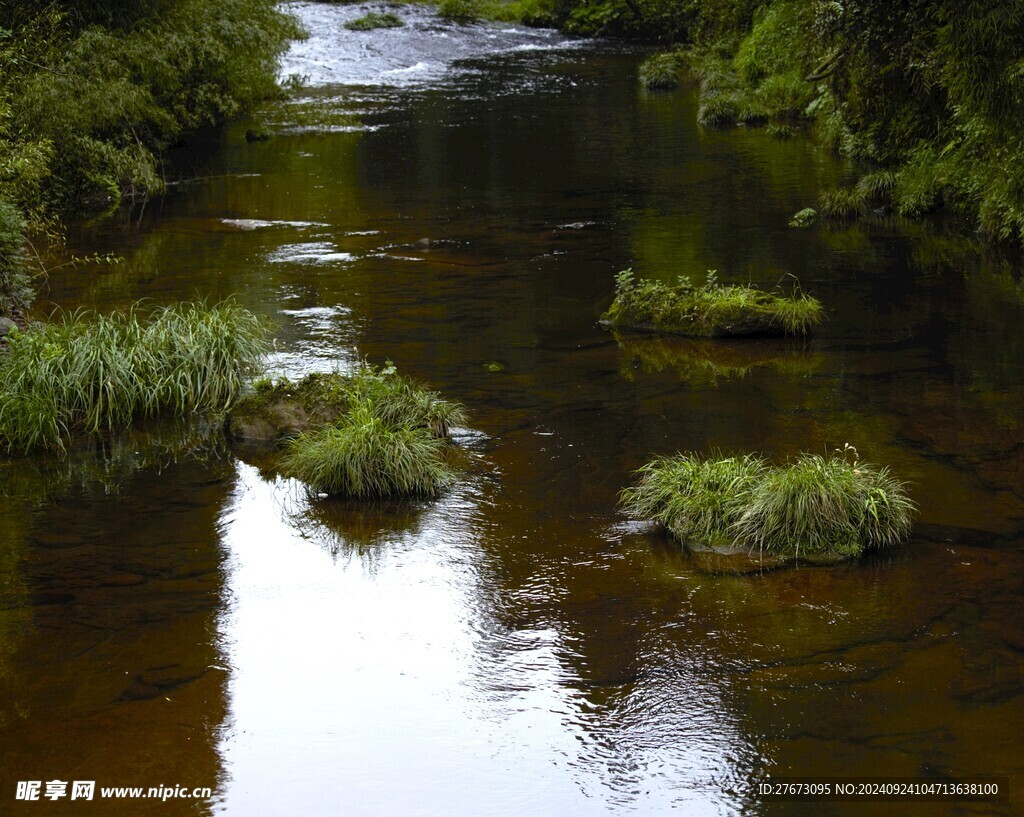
(739, 560)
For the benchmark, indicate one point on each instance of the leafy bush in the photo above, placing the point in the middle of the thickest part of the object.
(100, 103)
(91, 373)
(804, 218)
(15, 289)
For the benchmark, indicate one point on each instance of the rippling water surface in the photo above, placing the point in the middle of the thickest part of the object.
(457, 199)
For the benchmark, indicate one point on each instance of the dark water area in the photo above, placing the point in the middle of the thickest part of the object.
(458, 200)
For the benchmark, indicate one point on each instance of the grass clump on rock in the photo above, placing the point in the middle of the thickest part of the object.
(368, 434)
(815, 507)
(366, 457)
(713, 310)
(276, 410)
(90, 373)
(373, 20)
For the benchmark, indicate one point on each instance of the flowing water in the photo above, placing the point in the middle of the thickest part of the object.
(457, 199)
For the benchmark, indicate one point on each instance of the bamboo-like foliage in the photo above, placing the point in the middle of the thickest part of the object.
(90, 373)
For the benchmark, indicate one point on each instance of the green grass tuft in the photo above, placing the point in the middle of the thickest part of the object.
(660, 72)
(459, 11)
(816, 506)
(820, 505)
(92, 373)
(718, 109)
(363, 456)
(698, 499)
(843, 202)
(710, 311)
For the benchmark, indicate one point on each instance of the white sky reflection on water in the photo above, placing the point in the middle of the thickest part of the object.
(368, 677)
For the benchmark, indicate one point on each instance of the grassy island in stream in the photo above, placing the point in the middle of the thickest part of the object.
(712, 311)
(816, 508)
(92, 373)
(366, 435)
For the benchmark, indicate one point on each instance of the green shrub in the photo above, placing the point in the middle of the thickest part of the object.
(817, 506)
(372, 20)
(363, 456)
(15, 286)
(101, 103)
(710, 311)
(92, 373)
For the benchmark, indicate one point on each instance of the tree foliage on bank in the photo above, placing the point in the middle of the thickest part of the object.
(928, 93)
(92, 91)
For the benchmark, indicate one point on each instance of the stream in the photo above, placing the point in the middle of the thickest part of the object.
(457, 200)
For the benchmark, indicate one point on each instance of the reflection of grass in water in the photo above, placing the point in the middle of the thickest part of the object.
(356, 528)
(702, 362)
(108, 461)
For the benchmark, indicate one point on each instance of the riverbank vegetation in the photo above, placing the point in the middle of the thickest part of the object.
(88, 373)
(816, 506)
(711, 310)
(91, 93)
(927, 96)
(371, 433)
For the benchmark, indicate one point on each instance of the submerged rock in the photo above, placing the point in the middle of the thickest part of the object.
(741, 560)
